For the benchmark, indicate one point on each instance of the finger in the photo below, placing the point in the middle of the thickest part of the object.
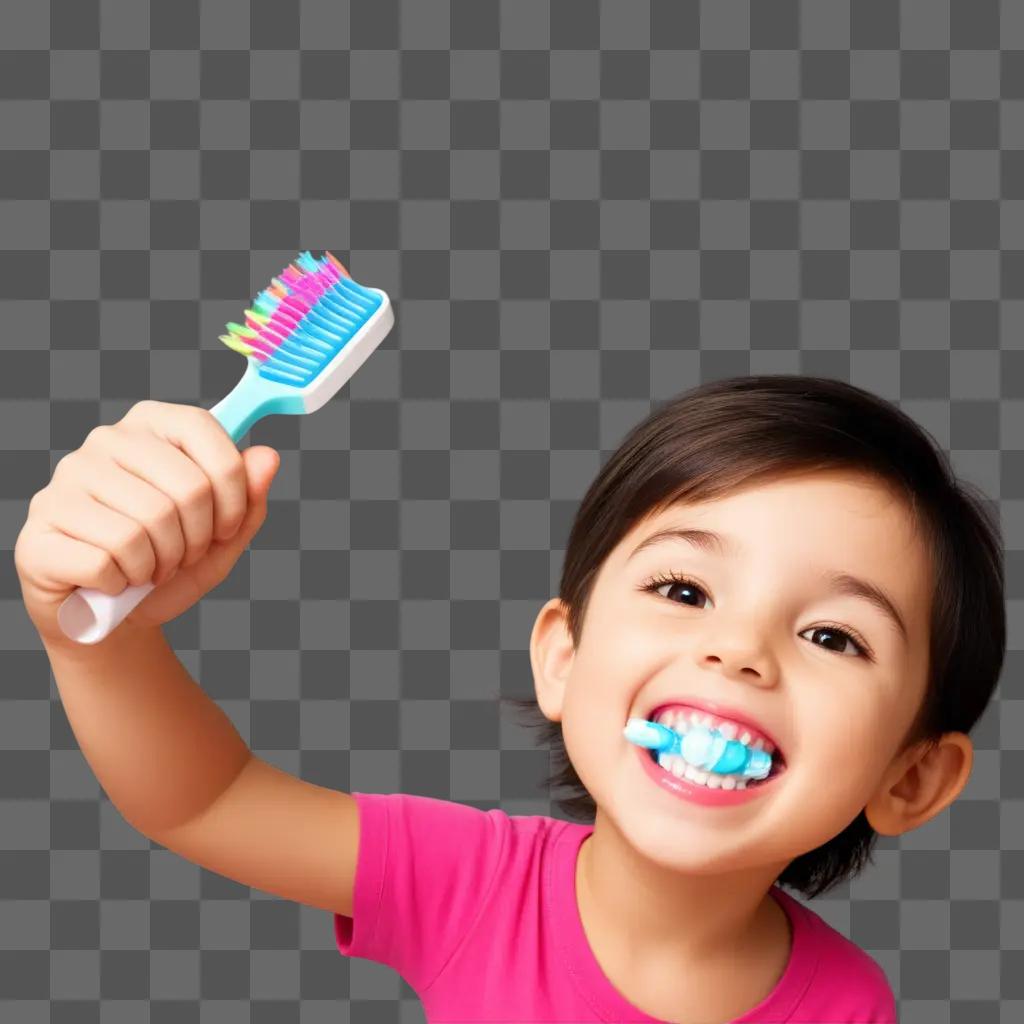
(125, 539)
(223, 555)
(261, 466)
(202, 438)
(62, 561)
(171, 471)
(132, 496)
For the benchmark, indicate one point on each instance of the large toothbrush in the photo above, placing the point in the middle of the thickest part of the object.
(706, 749)
(305, 336)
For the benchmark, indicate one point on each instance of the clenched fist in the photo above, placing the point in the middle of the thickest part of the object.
(162, 496)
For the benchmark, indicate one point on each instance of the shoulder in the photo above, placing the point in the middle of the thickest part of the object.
(429, 870)
(845, 971)
(421, 830)
(439, 814)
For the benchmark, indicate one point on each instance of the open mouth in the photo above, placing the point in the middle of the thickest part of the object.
(737, 781)
(681, 718)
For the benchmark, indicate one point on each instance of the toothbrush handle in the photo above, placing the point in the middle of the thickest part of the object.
(236, 412)
(89, 615)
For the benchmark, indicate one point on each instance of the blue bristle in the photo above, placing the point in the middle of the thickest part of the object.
(306, 262)
(334, 319)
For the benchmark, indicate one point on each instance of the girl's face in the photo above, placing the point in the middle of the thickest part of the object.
(755, 629)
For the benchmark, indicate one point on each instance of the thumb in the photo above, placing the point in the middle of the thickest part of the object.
(261, 465)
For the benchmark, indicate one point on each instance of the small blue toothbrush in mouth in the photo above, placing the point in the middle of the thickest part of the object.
(706, 749)
(305, 336)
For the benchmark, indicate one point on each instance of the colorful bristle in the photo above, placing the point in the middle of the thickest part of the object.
(300, 322)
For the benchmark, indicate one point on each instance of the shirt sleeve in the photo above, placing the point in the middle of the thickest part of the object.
(867, 1000)
(424, 872)
(885, 1008)
(883, 1003)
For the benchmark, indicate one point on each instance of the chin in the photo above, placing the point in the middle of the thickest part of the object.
(674, 850)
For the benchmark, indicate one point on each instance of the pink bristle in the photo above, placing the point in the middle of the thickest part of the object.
(331, 272)
(278, 329)
(282, 316)
(296, 306)
(306, 293)
(336, 263)
(275, 336)
(297, 290)
(286, 318)
(260, 347)
(313, 283)
(286, 315)
(282, 324)
(275, 326)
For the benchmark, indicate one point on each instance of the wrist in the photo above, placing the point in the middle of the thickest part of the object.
(128, 640)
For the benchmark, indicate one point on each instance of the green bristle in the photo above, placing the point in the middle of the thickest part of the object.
(241, 331)
(236, 344)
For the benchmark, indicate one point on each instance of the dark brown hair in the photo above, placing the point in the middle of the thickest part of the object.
(730, 433)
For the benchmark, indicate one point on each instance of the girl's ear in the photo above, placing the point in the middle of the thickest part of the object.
(920, 784)
(551, 656)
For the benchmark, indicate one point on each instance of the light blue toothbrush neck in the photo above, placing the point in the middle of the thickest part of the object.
(250, 400)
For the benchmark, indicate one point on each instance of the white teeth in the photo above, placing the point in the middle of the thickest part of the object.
(675, 718)
(681, 770)
(681, 720)
(728, 730)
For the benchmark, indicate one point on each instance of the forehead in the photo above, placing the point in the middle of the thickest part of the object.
(831, 519)
(797, 498)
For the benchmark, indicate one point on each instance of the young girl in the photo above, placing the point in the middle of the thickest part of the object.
(786, 559)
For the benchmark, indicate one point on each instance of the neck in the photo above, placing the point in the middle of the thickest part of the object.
(645, 913)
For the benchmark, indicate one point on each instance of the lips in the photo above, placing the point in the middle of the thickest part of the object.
(720, 710)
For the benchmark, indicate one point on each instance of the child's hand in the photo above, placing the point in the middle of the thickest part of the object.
(162, 496)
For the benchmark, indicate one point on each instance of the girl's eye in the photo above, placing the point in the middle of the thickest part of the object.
(682, 584)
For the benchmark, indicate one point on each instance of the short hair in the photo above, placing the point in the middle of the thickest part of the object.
(729, 433)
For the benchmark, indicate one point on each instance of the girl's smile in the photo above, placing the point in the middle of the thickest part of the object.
(697, 792)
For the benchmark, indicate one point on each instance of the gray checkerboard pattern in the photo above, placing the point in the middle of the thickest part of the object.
(578, 209)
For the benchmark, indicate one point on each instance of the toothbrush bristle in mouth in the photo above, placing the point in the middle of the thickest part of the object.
(778, 760)
(776, 769)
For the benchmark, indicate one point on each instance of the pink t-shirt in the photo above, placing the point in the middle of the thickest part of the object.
(477, 911)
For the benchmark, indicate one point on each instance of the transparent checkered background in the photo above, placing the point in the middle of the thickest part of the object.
(578, 209)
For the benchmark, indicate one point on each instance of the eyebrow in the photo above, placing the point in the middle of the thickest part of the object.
(842, 583)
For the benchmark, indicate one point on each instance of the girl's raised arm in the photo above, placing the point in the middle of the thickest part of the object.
(164, 496)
